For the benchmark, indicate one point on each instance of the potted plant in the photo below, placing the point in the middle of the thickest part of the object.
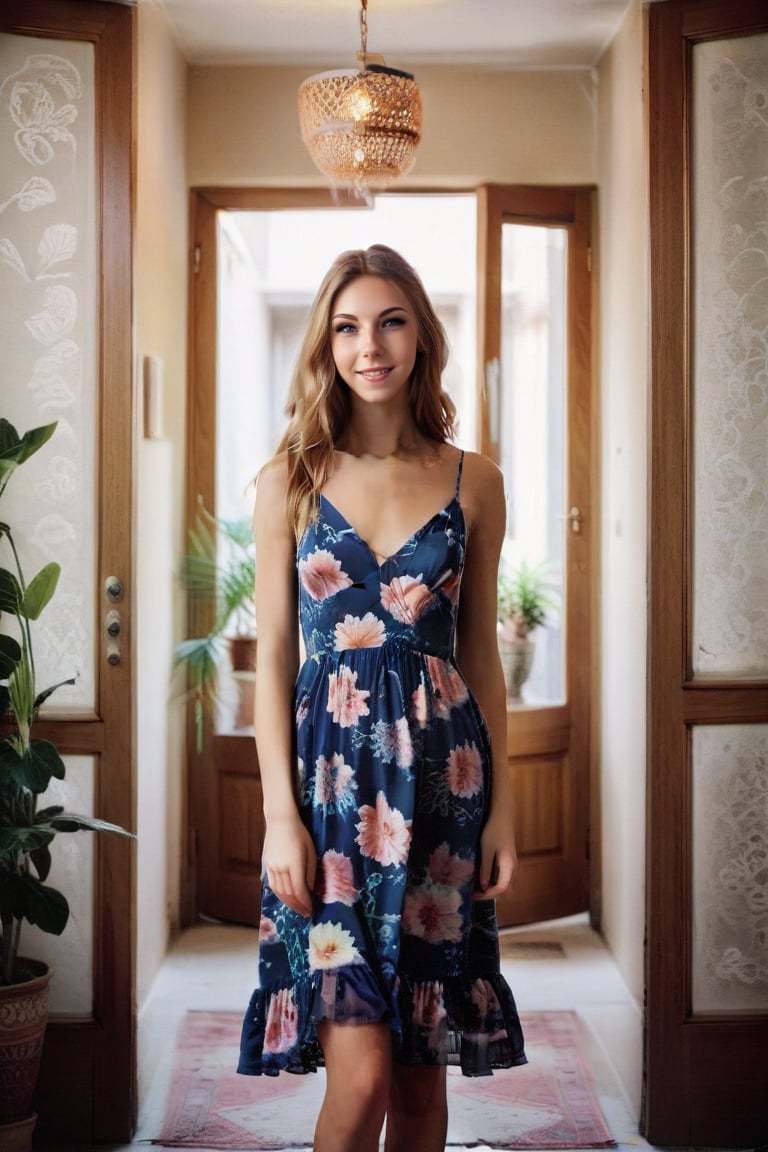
(219, 572)
(525, 594)
(27, 765)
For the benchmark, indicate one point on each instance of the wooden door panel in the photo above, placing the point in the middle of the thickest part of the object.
(230, 832)
(537, 784)
(706, 1068)
(86, 1088)
(549, 747)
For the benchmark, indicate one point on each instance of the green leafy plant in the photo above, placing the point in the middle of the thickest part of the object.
(526, 594)
(27, 764)
(219, 572)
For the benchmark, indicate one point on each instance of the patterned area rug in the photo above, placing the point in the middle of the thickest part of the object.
(550, 1103)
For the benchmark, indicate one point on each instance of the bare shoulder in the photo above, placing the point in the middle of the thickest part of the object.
(482, 489)
(271, 491)
(272, 478)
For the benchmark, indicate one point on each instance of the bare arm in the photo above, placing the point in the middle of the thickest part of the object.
(477, 655)
(289, 854)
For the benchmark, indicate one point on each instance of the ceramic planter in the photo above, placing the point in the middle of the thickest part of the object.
(23, 1019)
(517, 661)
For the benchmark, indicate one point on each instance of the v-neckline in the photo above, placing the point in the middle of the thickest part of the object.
(413, 536)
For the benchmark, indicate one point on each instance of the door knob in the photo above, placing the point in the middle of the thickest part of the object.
(575, 518)
(113, 588)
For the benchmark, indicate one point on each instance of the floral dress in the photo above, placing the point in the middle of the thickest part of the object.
(394, 770)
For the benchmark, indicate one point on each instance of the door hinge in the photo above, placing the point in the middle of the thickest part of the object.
(196, 259)
(589, 258)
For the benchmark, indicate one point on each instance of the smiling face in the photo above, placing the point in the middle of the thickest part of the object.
(374, 338)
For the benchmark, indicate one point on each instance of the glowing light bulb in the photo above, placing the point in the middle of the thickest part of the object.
(359, 103)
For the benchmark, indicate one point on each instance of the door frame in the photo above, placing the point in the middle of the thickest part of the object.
(572, 207)
(537, 737)
(705, 1073)
(87, 1084)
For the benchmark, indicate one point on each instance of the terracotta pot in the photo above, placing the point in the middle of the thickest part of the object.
(242, 653)
(23, 1017)
(17, 1136)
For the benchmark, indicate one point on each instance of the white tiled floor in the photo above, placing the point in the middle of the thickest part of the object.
(212, 966)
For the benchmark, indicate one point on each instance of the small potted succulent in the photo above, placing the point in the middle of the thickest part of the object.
(27, 827)
(525, 596)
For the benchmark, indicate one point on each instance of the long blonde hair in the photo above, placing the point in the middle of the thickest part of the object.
(318, 404)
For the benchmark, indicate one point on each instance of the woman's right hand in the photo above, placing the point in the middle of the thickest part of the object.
(291, 861)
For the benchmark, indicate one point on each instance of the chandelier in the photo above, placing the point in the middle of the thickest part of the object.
(361, 125)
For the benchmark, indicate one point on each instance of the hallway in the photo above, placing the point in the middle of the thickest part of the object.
(559, 965)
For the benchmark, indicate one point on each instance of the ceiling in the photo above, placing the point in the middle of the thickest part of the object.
(493, 33)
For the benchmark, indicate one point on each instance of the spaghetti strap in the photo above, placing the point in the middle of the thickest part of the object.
(458, 473)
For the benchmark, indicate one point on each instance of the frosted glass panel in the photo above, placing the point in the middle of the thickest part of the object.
(48, 336)
(730, 868)
(730, 358)
(72, 874)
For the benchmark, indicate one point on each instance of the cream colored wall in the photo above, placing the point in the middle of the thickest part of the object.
(479, 125)
(623, 360)
(161, 286)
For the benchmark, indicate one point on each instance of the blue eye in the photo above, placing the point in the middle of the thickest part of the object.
(344, 328)
(394, 321)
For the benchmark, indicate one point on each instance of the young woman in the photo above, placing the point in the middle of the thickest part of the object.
(389, 827)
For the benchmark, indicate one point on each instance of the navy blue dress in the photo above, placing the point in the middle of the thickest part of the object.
(394, 770)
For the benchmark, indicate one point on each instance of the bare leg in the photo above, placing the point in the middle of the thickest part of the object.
(358, 1064)
(417, 1115)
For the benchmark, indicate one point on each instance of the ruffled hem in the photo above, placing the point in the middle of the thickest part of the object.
(473, 1025)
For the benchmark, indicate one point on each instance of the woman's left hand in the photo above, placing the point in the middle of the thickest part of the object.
(498, 855)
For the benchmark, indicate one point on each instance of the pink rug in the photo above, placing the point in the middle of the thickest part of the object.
(550, 1103)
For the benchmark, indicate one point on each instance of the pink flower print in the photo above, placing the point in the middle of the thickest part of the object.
(450, 587)
(322, 575)
(383, 832)
(429, 1012)
(451, 871)
(345, 701)
(281, 1032)
(331, 946)
(465, 771)
(333, 782)
(484, 998)
(419, 705)
(404, 746)
(335, 879)
(354, 632)
(448, 688)
(428, 1006)
(267, 930)
(431, 912)
(406, 598)
(302, 711)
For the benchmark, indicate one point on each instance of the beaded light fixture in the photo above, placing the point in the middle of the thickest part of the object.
(361, 126)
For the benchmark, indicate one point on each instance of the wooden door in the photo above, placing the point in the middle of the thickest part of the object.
(66, 334)
(226, 819)
(550, 738)
(707, 956)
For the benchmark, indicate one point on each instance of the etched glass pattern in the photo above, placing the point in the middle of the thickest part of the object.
(48, 336)
(730, 358)
(730, 868)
